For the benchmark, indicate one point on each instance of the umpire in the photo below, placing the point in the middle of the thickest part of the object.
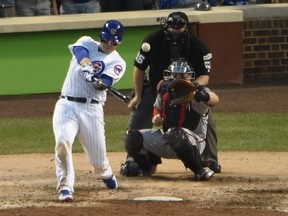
(158, 50)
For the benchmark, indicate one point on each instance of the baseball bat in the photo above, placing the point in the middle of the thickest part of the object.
(116, 93)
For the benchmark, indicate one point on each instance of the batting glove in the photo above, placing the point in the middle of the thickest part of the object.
(87, 69)
(88, 72)
(91, 78)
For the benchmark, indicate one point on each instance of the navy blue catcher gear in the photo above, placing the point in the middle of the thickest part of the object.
(188, 153)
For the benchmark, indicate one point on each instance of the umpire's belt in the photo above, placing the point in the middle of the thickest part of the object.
(80, 100)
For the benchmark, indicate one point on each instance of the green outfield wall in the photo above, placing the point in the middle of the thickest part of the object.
(34, 55)
(37, 62)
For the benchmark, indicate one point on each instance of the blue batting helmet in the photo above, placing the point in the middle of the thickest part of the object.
(112, 30)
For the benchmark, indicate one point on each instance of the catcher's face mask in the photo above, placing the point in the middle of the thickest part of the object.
(179, 69)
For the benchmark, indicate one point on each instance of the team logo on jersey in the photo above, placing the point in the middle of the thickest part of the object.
(118, 69)
(98, 66)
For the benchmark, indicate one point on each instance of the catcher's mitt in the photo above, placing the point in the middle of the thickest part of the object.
(181, 91)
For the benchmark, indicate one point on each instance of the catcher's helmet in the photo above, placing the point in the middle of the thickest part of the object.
(179, 69)
(112, 30)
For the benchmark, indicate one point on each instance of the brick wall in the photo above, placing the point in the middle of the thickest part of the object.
(265, 49)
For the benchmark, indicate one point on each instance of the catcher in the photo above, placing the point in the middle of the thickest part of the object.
(181, 108)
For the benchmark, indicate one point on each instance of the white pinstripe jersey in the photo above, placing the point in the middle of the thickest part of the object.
(109, 64)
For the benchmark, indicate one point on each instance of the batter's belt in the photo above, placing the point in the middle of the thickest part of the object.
(79, 99)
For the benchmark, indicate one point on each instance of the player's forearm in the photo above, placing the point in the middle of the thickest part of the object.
(214, 99)
(203, 80)
(85, 61)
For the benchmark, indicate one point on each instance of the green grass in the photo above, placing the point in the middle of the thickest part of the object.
(252, 131)
(236, 132)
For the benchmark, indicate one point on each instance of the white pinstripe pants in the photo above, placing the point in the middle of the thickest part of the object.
(85, 120)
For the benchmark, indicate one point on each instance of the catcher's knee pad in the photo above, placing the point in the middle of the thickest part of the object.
(189, 154)
(176, 138)
(133, 141)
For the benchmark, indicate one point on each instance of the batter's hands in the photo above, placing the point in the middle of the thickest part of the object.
(87, 69)
(88, 72)
(157, 120)
(134, 103)
(91, 78)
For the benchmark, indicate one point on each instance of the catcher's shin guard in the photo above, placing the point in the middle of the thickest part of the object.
(181, 145)
(133, 142)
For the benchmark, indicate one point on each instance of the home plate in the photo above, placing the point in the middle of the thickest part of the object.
(158, 198)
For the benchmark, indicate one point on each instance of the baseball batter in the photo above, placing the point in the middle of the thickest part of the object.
(79, 111)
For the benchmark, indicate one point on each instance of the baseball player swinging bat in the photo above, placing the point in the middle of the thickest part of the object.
(115, 92)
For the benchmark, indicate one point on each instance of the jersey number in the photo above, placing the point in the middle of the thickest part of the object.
(140, 58)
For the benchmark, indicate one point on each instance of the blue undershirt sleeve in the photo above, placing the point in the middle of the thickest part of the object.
(80, 53)
(106, 80)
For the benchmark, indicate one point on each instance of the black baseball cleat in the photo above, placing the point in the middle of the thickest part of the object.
(215, 167)
(204, 174)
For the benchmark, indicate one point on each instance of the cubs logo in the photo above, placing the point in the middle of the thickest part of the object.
(113, 31)
(117, 69)
(98, 66)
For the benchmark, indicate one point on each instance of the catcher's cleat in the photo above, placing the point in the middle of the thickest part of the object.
(150, 172)
(204, 175)
(111, 182)
(65, 196)
(215, 167)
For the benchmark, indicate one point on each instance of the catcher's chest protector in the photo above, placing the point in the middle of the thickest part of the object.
(182, 115)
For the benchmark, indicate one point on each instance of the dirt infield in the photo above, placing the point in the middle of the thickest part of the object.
(250, 183)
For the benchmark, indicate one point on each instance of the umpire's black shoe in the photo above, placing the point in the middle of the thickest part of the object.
(215, 167)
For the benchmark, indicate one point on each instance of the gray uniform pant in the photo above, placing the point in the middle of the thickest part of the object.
(153, 142)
